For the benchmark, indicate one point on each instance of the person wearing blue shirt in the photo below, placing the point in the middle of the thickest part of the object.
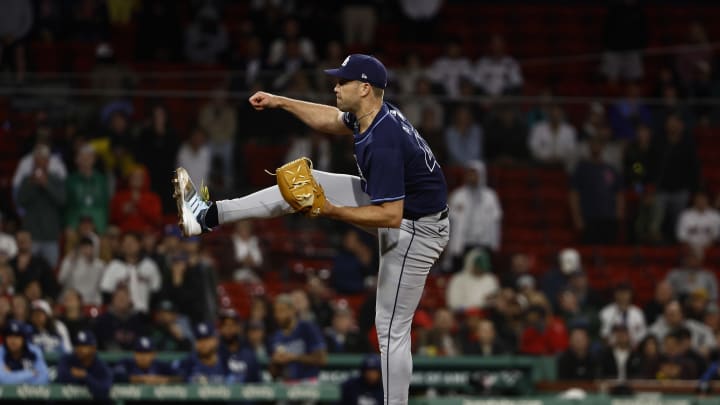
(143, 368)
(22, 362)
(84, 367)
(230, 331)
(297, 349)
(365, 389)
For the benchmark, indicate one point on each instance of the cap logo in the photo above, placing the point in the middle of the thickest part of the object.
(364, 76)
(145, 342)
(345, 62)
(202, 328)
(81, 336)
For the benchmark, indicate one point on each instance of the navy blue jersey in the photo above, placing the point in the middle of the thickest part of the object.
(126, 368)
(98, 379)
(306, 338)
(396, 163)
(192, 370)
(243, 367)
(356, 391)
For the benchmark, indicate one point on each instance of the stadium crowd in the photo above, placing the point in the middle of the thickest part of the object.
(90, 261)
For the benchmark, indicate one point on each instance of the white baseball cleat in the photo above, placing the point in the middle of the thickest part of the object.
(191, 204)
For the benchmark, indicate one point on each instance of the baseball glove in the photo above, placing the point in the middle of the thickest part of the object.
(299, 188)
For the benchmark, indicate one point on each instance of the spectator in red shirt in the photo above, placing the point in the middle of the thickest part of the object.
(544, 334)
(136, 208)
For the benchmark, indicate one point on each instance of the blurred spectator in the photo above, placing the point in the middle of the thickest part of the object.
(507, 136)
(83, 367)
(48, 333)
(450, 67)
(158, 154)
(696, 305)
(575, 315)
(302, 308)
(297, 349)
(117, 144)
(119, 326)
(194, 156)
(206, 288)
(8, 246)
(261, 311)
(442, 339)
(82, 271)
(219, 120)
(544, 334)
(169, 333)
(72, 314)
(319, 296)
(139, 274)
(15, 23)
(612, 151)
(342, 336)
(280, 51)
(22, 362)
(614, 358)
(464, 137)
(625, 36)
(420, 101)
(7, 281)
(110, 244)
(206, 39)
(596, 119)
(506, 311)
(49, 26)
(673, 318)
(655, 308)
(553, 140)
(143, 367)
(622, 312)
(409, 76)
(256, 339)
(639, 159)
(352, 264)
(699, 225)
(678, 172)
(136, 208)
(359, 19)
(673, 364)
(313, 145)
(644, 361)
(471, 287)
(487, 342)
(685, 349)
(112, 79)
(159, 33)
(520, 265)
(431, 128)
(42, 197)
(182, 284)
(558, 278)
(420, 19)
(596, 198)
(627, 113)
(577, 362)
(475, 214)
(692, 276)
(29, 267)
(230, 331)
(498, 73)
(20, 308)
(367, 388)
(248, 255)
(39, 158)
(250, 63)
(88, 192)
(690, 63)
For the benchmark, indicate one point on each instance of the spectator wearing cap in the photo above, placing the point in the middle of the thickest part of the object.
(472, 287)
(82, 270)
(366, 388)
(169, 331)
(557, 279)
(342, 336)
(48, 333)
(22, 362)
(121, 324)
(143, 367)
(622, 311)
(139, 274)
(83, 367)
(231, 333)
(297, 349)
(236, 351)
(577, 362)
(614, 358)
(475, 213)
(88, 192)
(30, 267)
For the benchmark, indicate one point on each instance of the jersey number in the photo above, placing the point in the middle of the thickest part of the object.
(430, 161)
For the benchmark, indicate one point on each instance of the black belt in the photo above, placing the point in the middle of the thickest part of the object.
(414, 217)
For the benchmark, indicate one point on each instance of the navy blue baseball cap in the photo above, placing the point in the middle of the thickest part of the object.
(143, 344)
(84, 338)
(203, 330)
(16, 328)
(364, 68)
(371, 362)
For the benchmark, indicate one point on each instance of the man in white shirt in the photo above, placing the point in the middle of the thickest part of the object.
(622, 312)
(673, 318)
(699, 225)
(194, 155)
(448, 69)
(140, 274)
(472, 287)
(498, 73)
(475, 213)
(553, 140)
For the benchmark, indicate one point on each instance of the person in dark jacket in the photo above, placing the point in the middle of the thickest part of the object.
(84, 367)
(367, 387)
(614, 360)
(577, 363)
(143, 367)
